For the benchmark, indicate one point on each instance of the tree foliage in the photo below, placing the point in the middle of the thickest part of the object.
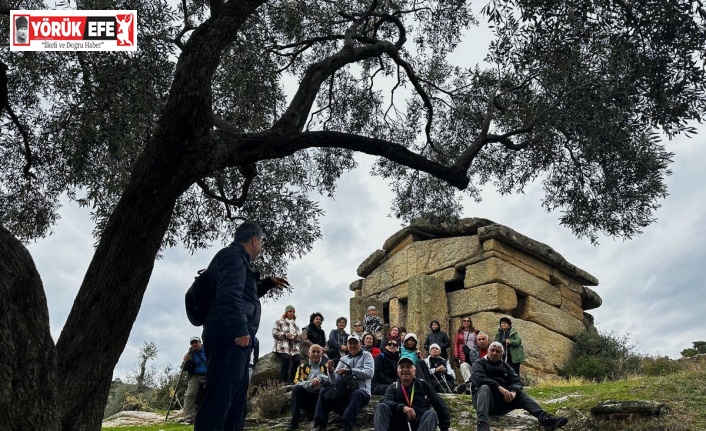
(699, 347)
(247, 109)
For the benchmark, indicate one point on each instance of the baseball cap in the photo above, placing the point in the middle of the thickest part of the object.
(353, 337)
(195, 339)
(405, 359)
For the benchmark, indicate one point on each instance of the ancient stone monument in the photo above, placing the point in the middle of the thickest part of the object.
(476, 267)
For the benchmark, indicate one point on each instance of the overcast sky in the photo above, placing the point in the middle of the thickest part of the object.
(652, 286)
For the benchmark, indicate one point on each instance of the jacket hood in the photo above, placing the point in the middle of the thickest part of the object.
(433, 322)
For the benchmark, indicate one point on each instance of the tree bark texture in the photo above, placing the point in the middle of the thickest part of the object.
(28, 371)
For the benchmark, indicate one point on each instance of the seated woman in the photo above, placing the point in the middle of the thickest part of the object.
(385, 367)
(313, 332)
(369, 344)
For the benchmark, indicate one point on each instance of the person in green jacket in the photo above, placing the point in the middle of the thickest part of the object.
(507, 336)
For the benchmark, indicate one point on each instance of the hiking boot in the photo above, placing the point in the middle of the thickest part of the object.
(483, 426)
(292, 426)
(551, 422)
(460, 388)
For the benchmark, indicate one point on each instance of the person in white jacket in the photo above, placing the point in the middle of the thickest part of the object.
(362, 367)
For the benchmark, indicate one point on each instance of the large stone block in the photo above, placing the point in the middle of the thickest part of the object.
(357, 285)
(545, 350)
(537, 249)
(533, 310)
(572, 308)
(421, 257)
(427, 301)
(398, 312)
(518, 258)
(590, 299)
(495, 270)
(372, 262)
(448, 274)
(488, 297)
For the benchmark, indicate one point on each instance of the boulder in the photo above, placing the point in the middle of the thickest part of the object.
(267, 368)
(533, 310)
(625, 409)
(495, 270)
(487, 297)
(421, 257)
(133, 418)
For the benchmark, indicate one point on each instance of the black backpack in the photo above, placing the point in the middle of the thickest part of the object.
(342, 389)
(199, 298)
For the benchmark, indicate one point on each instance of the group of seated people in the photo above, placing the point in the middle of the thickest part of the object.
(410, 384)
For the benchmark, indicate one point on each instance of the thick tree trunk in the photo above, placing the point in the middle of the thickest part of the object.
(110, 296)
(28, 371)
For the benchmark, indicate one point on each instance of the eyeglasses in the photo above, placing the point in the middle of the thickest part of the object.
(391, 344)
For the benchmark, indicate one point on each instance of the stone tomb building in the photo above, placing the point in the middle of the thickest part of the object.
(479, 268)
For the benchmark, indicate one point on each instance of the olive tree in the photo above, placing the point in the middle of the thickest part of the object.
(248, 109)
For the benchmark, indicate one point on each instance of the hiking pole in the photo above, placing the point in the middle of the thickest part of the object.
(176, 388)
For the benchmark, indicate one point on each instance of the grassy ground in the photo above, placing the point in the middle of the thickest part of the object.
(684, 392)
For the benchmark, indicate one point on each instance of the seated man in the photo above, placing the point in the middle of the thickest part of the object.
(442, 375)
(407, 404)
(481, 349)
(497, 390)
(308, 381)
(362, 366)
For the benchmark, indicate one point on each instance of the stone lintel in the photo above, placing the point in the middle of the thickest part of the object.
(537, 249)
(400, 291)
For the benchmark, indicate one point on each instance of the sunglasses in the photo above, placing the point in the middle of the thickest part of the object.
(391, 344)
(358, 325)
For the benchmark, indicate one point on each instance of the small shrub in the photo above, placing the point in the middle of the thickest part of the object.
(270, 400)
(135, 402)
(659, 366)
(599, 357)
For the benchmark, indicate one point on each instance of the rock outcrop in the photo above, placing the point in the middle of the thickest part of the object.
(479, 268)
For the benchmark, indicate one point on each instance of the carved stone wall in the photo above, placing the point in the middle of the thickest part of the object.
(479, 268)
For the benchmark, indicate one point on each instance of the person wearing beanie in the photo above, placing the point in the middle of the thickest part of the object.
(512, 344)
(287, 337)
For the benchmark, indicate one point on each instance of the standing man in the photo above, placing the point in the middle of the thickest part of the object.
(407, 404)
(196, 364)
(230, 326)
(497, 389)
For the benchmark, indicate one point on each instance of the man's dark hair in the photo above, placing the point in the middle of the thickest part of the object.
(246, 231)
